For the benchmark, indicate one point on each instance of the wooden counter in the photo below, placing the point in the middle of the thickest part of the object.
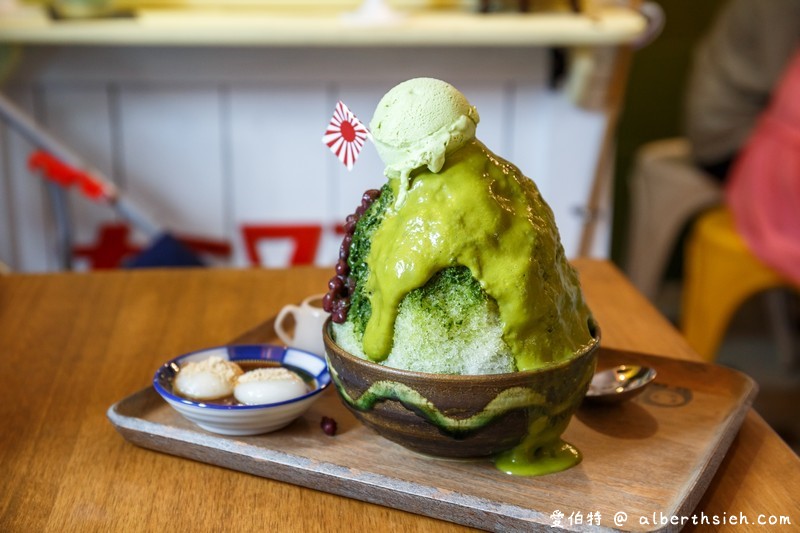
(606, 26)
(71, 345)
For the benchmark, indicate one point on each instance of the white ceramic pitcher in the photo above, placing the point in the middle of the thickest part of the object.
(309, 318)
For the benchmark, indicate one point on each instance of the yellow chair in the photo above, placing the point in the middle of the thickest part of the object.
(720, 273)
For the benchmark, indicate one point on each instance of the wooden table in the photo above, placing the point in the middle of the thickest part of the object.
(71, 345)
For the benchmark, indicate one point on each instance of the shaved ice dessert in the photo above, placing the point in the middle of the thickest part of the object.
(455, 266)
(454, 274)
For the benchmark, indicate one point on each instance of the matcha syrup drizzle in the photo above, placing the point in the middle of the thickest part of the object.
(479, 211)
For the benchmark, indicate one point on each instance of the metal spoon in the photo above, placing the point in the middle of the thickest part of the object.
(620, 383)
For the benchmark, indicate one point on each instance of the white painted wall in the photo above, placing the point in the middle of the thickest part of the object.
(204, 140)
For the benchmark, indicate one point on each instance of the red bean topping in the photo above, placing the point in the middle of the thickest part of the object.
(341, 286)
(328, 426)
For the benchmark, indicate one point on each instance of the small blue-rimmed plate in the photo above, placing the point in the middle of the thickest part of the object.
(246, 419)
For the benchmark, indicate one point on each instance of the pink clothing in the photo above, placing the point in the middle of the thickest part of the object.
(763, 191)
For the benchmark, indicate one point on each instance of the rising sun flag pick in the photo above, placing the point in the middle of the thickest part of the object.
(346, 135)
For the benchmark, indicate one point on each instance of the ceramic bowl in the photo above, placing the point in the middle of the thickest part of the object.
(462, 416)
(246, 419)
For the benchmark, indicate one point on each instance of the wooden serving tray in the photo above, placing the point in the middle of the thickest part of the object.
(655, 454)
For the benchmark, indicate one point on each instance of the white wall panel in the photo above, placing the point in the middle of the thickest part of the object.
(278, 160)
(80, 117)
(574, 136)
(31, 211)
(493, 128)
(529, 138)
(279, 166)
(204, 140)
(8, 235)
(172, 157)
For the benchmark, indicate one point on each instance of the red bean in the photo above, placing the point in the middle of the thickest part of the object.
(371, 195)
(336, 301)
(327, 302)
(341, 268)
(328, 426)
(335, 285)
(339, 316)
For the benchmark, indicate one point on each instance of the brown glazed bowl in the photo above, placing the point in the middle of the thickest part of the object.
(462, 416)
